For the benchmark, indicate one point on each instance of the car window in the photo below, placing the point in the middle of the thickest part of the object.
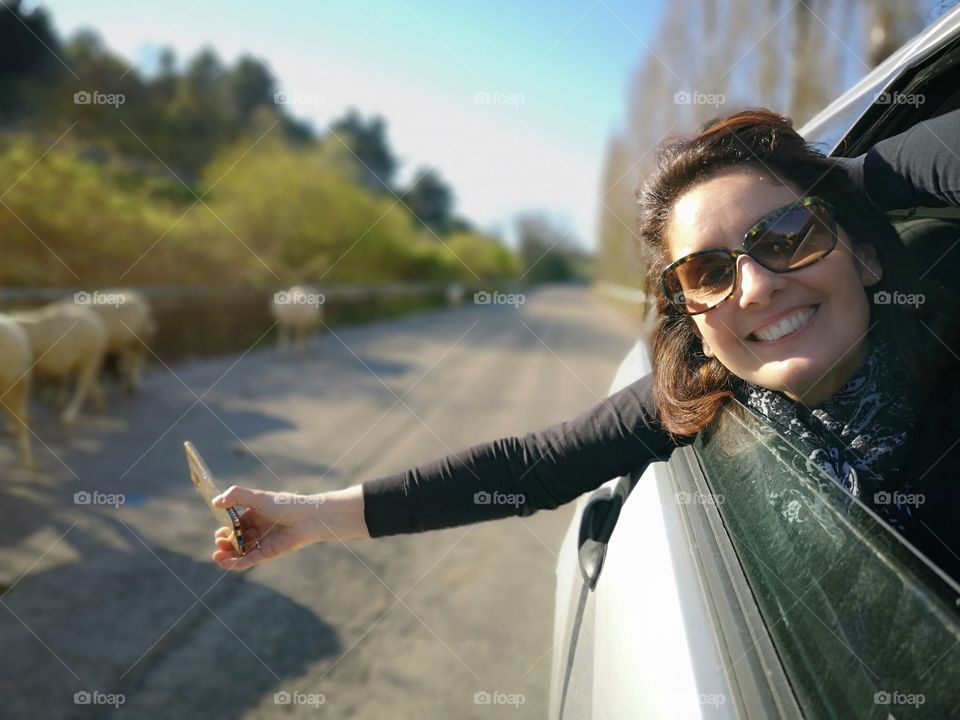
(864, 624)
(828, 131)
(874, 94)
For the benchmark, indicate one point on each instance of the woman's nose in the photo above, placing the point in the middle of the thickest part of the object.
(757, 283)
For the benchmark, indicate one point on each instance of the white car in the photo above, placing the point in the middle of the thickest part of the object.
(725, 583)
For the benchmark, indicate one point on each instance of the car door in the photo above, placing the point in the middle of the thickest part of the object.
(652, 617)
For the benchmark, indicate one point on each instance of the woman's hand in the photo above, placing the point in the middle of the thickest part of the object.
(284, 522)
(281, 522)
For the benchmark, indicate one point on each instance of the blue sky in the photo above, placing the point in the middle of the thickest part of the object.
(511, 101)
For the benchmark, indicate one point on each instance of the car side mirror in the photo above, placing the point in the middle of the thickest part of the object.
(596, 527)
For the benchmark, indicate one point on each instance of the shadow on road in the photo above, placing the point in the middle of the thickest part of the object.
(175, 636)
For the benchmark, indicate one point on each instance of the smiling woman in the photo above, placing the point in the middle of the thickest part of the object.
(770, 259)
(800, 328)
(772, 250)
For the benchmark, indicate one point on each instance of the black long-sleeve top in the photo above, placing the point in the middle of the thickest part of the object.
(545, 469)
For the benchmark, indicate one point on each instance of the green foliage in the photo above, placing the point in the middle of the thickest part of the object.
(273, 214)
(486, 257)
(305, 218)
(197, 176)
(70, 222)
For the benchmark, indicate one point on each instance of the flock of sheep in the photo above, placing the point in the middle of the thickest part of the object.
(67, 342)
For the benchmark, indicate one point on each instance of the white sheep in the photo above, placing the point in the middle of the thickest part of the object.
(16, 358)
(456, 293)
(298, 312)
(130, 328)
(68, 343)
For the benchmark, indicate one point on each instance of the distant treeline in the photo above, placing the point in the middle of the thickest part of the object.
(197, 174)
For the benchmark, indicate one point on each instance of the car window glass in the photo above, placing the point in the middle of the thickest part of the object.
(864, 624)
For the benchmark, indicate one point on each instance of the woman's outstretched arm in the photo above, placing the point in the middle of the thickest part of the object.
(510, 476)
(521, 475)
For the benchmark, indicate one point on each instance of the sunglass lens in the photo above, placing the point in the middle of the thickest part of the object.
(799, 237)
(703, 281)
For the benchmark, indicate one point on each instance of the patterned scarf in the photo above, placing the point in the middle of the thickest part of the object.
(858, 438)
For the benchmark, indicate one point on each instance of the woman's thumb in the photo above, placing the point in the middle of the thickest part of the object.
(236, 495)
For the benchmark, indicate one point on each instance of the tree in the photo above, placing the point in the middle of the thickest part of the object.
(367, 141)
(430, 200)
(25, 63)
(22, 40)
(251, 85)
(546, 253)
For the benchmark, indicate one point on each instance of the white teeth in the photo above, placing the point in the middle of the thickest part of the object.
(787, 325)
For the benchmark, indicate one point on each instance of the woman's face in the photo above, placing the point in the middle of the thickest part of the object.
(812, 362)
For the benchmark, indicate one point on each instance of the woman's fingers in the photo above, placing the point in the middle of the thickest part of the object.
(226, 554)
(225, 541)
(237, 495)
(222, 553)
(230, 560)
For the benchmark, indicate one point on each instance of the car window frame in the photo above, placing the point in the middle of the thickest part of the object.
(762, 684)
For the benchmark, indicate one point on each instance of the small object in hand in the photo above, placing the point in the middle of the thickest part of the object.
(207, 487)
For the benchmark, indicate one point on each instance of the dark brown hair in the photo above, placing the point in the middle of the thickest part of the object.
(689, 387)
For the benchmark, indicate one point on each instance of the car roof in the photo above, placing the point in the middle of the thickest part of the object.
(832, 124)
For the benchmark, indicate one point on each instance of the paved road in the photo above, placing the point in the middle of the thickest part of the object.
(107, 599)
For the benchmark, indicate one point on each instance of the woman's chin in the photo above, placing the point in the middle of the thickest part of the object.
(811, 389)
(799, 379)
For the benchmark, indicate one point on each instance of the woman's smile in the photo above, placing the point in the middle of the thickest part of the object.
(791, 325)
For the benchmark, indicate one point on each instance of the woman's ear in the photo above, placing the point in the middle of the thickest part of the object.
(868, 263)
(707, 350)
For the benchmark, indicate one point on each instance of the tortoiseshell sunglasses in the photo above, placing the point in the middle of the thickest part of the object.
(787, 239)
